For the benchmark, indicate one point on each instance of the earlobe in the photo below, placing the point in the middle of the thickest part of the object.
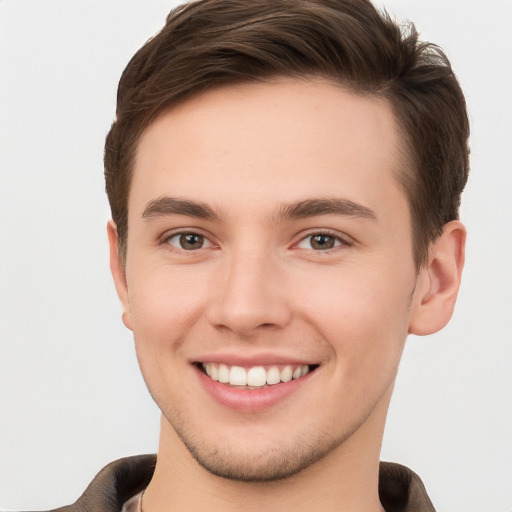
(118, 273)
(438, 282)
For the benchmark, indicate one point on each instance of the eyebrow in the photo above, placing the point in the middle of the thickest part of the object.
(166, 205)
(163, 206)
(326, 206)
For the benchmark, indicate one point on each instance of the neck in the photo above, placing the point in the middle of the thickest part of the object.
(344, 480)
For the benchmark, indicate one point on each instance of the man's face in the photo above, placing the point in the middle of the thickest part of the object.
(268, 232)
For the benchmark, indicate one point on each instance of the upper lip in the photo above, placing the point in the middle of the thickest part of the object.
(245, 360)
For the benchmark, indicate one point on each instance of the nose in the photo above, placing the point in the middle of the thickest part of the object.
(250, 295)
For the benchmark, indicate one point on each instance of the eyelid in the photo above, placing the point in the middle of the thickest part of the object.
(168, 235)
(342, 238)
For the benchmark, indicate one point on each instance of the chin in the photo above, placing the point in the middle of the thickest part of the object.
(266, 462)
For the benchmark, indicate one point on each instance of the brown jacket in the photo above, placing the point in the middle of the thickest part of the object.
(400, 489)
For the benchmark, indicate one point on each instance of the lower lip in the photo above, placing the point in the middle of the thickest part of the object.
(249, 400)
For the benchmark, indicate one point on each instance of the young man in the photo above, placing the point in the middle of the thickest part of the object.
(284, 179)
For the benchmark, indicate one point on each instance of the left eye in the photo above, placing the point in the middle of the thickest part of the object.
(319, 242)
(189, 241)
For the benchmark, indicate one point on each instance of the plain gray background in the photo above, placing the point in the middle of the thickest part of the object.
(71, 396)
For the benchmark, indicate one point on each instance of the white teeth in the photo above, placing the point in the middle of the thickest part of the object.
(254, 377)
(286, 374)
(223, 373)
(237, 376)
(273, 375)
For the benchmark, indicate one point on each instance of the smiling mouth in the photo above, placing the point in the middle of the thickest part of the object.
(255, 377)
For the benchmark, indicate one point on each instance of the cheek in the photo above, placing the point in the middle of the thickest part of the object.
(363, 315)
(165, 302)
(163, 310)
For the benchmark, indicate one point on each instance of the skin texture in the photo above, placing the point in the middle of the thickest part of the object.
(255, 287)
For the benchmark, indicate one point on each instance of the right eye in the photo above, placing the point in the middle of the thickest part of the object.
(189, 241)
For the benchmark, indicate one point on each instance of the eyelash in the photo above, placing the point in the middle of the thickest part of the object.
(331, 236)
(337, 240)
(181, 234)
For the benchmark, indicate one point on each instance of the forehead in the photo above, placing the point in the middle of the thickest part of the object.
(265, 141)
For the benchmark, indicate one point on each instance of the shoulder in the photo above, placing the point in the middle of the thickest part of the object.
(401, 489)
(115, 484)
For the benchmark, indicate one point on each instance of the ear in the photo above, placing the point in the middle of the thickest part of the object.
(118, 273)
(438, 282)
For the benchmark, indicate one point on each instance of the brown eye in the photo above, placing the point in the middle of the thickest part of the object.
(188, 241)
(320, 242)
(191, 241)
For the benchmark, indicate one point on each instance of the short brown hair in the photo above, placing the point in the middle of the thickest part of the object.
(210, 43)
